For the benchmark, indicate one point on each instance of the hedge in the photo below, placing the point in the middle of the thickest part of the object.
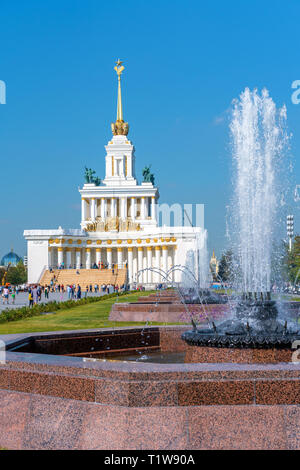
(11, 314)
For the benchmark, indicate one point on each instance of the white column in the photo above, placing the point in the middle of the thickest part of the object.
(113, 207)
(149, 264)
(120, 257)
(93, 209)
(49, 257)
(98, 256)
(123, 207)
(157, 262)
(129, 166)
(165, 258)
(69, 258)
(109, 257)
(88, 258)
(130, 265)
(153, 208)
(140, 263)
(133, 208)
(78, 258)
(103, 208)
(143, 208)
(60, 257)
(83, 209)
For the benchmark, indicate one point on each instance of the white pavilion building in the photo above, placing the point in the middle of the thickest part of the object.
(119, 225)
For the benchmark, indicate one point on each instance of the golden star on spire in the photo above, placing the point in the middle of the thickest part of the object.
(119, 67)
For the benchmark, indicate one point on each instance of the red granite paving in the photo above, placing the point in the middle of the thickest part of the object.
(29, 421)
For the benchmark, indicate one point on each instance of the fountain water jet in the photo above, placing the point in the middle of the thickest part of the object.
(259, 140)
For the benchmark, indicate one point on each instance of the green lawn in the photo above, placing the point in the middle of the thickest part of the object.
(93, 315)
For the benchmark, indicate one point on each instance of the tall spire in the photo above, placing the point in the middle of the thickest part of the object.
(119, 127)
(119, 69)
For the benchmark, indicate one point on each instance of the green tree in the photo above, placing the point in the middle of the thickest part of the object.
(226, 266)
(2, 272)
(291, 261)
(17, 274)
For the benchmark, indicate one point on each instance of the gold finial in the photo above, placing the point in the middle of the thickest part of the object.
(119, 127)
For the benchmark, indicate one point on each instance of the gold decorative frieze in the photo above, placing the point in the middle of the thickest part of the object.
(112, 223)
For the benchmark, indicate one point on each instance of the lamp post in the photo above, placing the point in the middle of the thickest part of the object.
(290, 229)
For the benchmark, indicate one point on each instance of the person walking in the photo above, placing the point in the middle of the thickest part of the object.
(6, 295)
(34, 295)
(30, 298)
(46, 292)
(78, 292)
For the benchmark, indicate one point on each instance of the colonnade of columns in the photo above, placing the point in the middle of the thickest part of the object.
(121, 206)
(133, 258)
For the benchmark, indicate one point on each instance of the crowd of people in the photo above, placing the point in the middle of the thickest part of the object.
(73, 291)
(37, 293)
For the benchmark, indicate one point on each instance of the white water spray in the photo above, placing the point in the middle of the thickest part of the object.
(259, 138)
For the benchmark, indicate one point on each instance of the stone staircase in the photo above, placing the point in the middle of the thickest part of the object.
(86, 277)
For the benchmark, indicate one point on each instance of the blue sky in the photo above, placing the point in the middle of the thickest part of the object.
(185, 62)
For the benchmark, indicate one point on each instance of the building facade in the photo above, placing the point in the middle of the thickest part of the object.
(119, 223)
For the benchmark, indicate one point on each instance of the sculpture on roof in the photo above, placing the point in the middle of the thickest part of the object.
(89, 176)
(148, 176)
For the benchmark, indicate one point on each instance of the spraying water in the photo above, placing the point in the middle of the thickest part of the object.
(259, 141)
(259, 138)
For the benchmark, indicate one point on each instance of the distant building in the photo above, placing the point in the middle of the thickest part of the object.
(214, 266)
(11, 259)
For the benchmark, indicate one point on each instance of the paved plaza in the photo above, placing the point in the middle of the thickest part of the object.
(22, 299)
